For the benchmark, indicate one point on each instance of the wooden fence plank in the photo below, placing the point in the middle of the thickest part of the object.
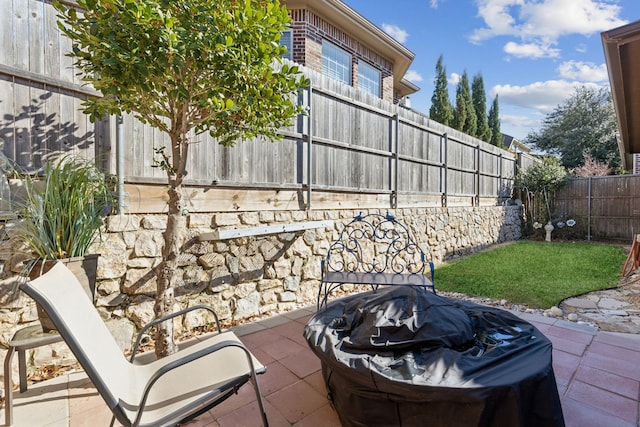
(36, 33)
(51, 39)
(606, 207)
(362, 144)
(20, 33)
(6, 35)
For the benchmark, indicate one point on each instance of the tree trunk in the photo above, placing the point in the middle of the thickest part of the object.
(166, 270)
(175, 167)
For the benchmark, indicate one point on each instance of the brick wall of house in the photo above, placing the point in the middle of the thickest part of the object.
(308, 32)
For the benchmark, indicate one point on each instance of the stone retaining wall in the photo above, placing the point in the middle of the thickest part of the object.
(246, 277)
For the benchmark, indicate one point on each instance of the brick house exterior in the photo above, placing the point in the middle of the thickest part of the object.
(331, 20)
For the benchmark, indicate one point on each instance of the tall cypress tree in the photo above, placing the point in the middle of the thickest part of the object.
(464, 117)
(441, 109)
(480, 106)
(494, 124)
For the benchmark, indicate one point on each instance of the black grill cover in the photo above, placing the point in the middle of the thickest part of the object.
(403, 356)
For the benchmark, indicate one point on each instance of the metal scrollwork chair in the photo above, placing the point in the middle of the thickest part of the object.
(374, 250)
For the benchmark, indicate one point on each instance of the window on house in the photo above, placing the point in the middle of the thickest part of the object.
(336, 62)
(286, 40)
(369, 78)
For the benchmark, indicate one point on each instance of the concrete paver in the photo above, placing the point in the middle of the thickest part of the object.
(597, 372)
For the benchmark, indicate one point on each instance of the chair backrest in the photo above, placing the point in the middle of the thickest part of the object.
(375, 243)
(80, 325)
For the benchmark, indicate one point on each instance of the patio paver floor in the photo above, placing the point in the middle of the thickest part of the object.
(598, 376)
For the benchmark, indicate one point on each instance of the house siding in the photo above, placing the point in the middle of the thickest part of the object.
(310, 29)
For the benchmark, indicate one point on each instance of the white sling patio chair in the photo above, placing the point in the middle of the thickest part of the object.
(162, 392)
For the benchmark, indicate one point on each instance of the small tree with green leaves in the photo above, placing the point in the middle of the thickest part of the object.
(538, 183)
(184, 67)
(441, 109)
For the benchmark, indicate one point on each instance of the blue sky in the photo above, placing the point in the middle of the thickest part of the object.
(530, 53)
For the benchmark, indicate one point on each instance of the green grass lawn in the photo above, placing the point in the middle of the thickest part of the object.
(538, 274)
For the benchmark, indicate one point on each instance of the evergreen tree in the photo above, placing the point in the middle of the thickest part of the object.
(479, 97)
(494, 124)
(460, 111)
(441, 109)
(464, 117)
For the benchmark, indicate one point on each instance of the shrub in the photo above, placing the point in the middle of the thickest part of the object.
(61, 213)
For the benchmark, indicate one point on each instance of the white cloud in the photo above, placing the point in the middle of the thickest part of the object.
(583, 71)
(519, 121)
(396, 32)
(496, 15)
(543, 22)
(454, 78)
(581, 48)
(531, 50)
(435, 3)
(542, 96)
(555, 18)
(413, 76)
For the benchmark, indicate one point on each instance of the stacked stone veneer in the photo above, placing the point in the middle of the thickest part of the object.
(250, 276)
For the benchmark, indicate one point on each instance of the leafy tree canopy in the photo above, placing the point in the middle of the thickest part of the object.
(545, 176)
(203, 65)
(584, 123)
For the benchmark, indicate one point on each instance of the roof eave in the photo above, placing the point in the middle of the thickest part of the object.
(405, 88)
(624, 86)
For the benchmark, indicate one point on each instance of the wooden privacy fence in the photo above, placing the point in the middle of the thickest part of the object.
(605, 207)
(363, 144)
(351, 149)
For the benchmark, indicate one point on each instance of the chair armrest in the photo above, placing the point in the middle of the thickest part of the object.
(185, 360)
(155, 322)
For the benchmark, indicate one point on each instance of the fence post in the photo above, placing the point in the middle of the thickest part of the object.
(309, 146)
(120, 163)
(444, 172)
(500, 187)
(477, 178)
(395, 145)
(589, 200)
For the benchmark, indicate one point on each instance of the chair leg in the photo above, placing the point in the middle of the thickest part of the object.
(8, 387)
(256, 388)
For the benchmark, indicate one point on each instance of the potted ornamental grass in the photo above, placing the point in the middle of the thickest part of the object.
(60, 215)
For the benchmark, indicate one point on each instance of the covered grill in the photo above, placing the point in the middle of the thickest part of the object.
(403, 356)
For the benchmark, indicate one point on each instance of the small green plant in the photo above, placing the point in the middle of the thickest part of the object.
(61, 213)
(547, 175)
(538, 184)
